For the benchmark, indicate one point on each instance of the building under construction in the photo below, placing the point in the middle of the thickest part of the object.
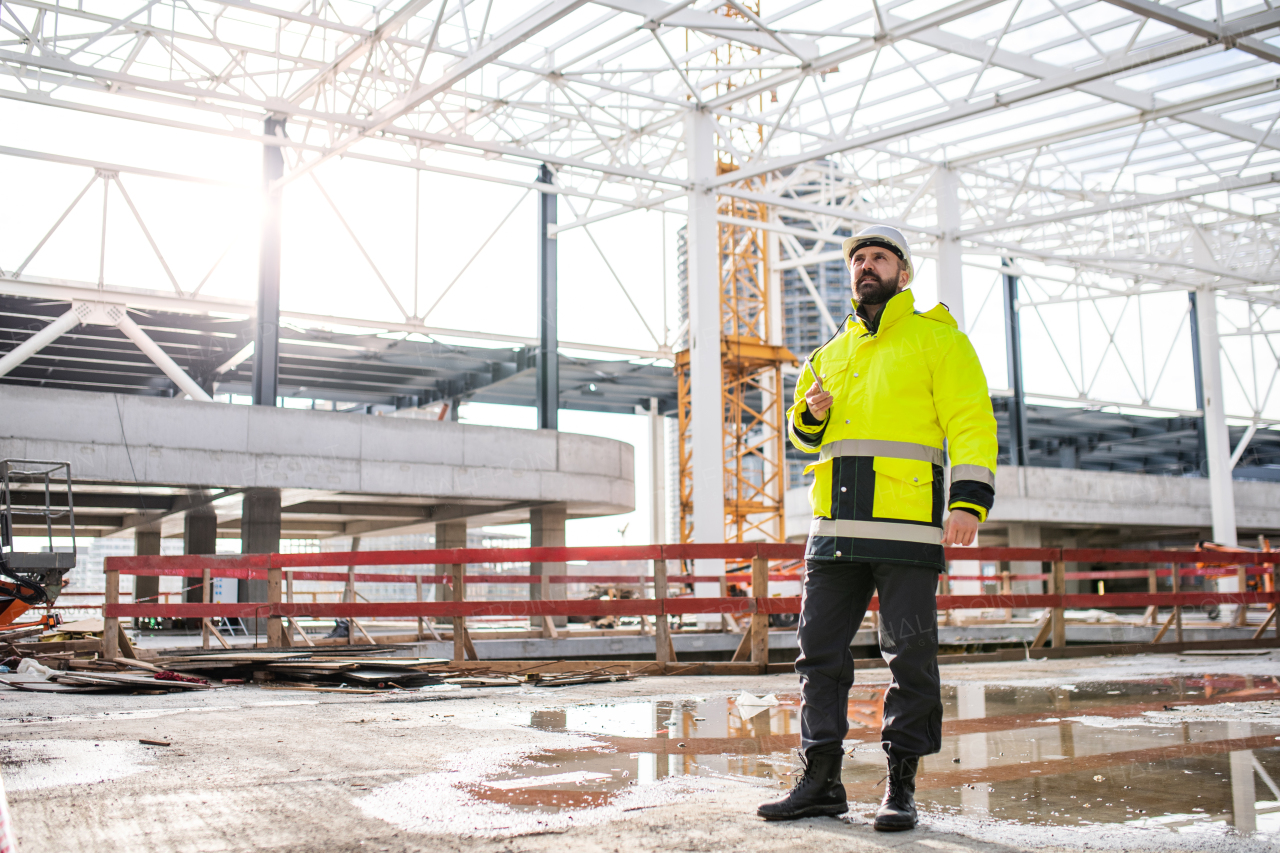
(411, 379)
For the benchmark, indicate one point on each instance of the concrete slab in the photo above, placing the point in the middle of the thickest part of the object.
(257, 769)
(133, 440)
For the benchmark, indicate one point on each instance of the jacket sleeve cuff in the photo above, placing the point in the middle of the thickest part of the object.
(972, 496)
(977, 512)
(806, 429)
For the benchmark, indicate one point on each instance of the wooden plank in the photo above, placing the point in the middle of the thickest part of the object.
(296, 627)
(1043, 629)
(1262, 629)
(123, 643)
(211, 631)
(743, 652)
(1173, 614)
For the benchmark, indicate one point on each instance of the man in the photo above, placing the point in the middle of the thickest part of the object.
(892, 388)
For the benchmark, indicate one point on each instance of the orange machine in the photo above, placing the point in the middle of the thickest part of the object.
(35, 504)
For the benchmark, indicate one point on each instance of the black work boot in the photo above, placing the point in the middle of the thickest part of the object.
(898, 809)
(818, 791)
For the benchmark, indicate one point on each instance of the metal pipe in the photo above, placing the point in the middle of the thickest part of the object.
(39, 341)
(161, 358)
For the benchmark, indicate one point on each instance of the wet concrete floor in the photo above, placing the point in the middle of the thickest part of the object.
(1149, 753)
(1074, 754)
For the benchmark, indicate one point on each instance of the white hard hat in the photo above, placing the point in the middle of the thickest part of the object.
(881, 235)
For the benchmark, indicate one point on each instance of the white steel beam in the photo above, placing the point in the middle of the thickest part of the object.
(950, 268)
(1229, 185)
(41, 339)
(515, 35)
(159, 357)
(1217, 442)
(706, 376)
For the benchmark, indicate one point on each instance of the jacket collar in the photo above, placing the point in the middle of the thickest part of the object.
(899, 305)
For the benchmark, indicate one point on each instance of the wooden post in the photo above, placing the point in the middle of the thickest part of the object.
(275, 630)
(1242, 609)
(664, 651)
(349, 594)
(1059, 586)
(1150, 618)
(111, 624)
(206, 594)
(724, 593)
(458, 570)
(1275, 587)
(417, 585)
(760, 621)
(1177, 609)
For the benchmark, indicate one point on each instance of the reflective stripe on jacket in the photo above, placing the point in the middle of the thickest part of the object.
(900, 390)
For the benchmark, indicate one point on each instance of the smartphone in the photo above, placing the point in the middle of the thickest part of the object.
(817, 380)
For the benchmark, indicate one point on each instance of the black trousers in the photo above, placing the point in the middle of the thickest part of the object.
(835, 599)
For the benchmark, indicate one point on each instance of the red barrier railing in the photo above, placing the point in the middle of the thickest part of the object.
(303, 567)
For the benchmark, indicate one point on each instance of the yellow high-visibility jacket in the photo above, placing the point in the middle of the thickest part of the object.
(901, 388)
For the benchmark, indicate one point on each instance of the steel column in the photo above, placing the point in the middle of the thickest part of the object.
(266, 351)
(950, 270)
(1013, 352)
(548, 392)
(705, 371)
(1217, 442)
(657, 474)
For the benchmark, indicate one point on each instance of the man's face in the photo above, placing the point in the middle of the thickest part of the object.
(877, 275)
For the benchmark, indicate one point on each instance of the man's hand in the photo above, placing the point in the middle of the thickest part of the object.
(962, 527)
(818, 401)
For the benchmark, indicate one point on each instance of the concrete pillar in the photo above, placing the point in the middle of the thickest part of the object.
(449, 534)
(547, 530)
(971, 704)
(146, 543)
(1025, 536)
(259, 534)
(706, 374)
(950, 290)
(266, 342)
(548, 379)
(1013, 357)
(199, 536)
(1244, 806)
(1217, 441)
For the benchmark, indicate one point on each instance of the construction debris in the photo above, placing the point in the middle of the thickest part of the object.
(361, 669)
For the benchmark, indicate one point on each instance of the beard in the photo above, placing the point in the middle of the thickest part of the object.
(873, 290)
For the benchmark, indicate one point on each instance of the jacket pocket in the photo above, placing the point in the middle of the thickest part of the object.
(904, 489)
(820, 490)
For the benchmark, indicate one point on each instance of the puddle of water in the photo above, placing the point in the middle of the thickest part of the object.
(29, 765)
(1069, 756)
